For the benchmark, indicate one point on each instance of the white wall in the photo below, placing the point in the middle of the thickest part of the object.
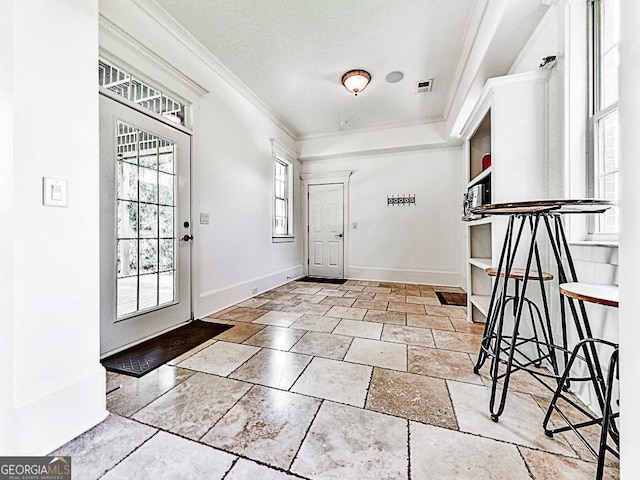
(58, 387)
(417, 244)
(232, 165)
(6, 219)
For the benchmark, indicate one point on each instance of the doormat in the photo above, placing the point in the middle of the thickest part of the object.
(453, 299)
(150, 354)
(337, 281)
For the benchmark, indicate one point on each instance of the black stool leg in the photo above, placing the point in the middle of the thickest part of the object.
(606, 415)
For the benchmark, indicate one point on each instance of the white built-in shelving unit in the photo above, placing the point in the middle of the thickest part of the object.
(509, 122)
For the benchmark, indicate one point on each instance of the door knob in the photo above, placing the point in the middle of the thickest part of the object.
(339, 235)
(186, 238)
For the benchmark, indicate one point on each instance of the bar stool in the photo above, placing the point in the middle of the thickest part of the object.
(602, 295)
(507, 349)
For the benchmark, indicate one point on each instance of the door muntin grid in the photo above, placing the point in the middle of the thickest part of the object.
(146, 258)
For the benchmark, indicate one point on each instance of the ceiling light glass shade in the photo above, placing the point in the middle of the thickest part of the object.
(356, 80)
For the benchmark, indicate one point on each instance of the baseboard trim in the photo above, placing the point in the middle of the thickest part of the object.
(215, 300)
(426, 277)
(50, 422)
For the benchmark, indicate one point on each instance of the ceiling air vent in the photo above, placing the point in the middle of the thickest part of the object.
(424, 86)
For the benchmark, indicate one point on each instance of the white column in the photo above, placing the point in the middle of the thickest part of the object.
(58, 385)
(630, 237)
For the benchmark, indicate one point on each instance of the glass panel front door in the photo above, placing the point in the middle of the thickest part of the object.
(146, 241)
(145, 231)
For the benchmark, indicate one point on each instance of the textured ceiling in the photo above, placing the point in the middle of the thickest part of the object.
(292, 54)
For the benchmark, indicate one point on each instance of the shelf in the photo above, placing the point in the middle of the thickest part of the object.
(483, 263)
(481, 302)
(478, 178)
(480, 221)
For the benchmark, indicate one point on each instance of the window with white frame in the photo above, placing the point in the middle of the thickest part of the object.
(282, 198)
(604, 129)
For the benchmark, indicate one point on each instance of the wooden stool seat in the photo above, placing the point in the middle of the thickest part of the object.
(518, 274)
(592, 293)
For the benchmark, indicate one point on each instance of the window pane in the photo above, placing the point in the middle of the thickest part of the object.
(166, 188)
(127, 293)
(609, 77)
(148, 221)
(148, 185)
(148, 291)
(127, 219)
(148, 256)
(127, 258)
(166, 287)
(166, 255)
(166, 222)
(610, 25)
(127, 181)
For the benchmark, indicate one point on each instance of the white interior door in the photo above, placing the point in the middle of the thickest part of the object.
(326, 230)
(145, 245)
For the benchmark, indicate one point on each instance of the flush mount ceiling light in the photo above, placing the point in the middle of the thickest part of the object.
(394, 77)
(356, 81)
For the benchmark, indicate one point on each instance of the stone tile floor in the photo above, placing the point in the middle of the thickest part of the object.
(365, 380)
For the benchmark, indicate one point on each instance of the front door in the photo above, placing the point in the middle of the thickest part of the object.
(145, 248)
(326, 230)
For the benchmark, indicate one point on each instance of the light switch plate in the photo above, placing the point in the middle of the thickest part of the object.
(204, 218)
(54, 192)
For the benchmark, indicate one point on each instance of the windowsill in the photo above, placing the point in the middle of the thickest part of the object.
(283, 239)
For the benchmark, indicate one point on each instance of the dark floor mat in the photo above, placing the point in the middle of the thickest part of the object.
(453, 299)
(338, 281)
(149, 355)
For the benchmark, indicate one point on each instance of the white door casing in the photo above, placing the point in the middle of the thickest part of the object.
(145, 264)
(326, 230)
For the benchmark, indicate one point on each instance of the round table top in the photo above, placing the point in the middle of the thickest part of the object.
(562, 205)
(518, 274)
(606, 294)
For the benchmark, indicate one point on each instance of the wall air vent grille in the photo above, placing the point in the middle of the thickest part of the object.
(424, 86)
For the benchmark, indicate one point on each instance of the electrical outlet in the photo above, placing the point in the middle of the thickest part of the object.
(204, 218)
(255, 290)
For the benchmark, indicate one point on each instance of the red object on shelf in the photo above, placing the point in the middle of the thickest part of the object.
(486, 161)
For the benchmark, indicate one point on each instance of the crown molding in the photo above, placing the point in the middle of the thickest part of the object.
(382, 151)
(372, 128)
(191, 43)
(119, 35)
(279, 148)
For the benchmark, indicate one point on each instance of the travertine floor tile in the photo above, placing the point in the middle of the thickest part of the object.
(443, 311)
(333, 380)
(463, 325)
(99, 449)
(349, 287)
(446, 454)
(377, 289)
(266, 425)
(418, 299)
(323, 345)
(338, 301)
(460, 342)
(358, 328)
(248, 470)
(278, 319)
(406, 307)
(386, 297)
(521, 422)
(317, 298)
(411, 396)
(407, 335)
(194, 406)
(371, 304)
(350, 443)
(278, 338)
(316, 323)
(242, 314)
(306, 290)
(169, 456)
(280, 305)
(240, 332)
(359, 295)
(272, 368)
(395, 318)
(429, 321)
(331, 292)
(253, 303)
(221, 358)
(443, 364)
(311, 308)
(377, 354)
(346, 312)
(544, 466)
(136, 393)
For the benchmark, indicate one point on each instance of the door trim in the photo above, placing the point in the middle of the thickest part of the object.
(325, 178)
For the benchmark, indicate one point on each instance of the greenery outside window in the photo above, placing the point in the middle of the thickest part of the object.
(603, 158)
